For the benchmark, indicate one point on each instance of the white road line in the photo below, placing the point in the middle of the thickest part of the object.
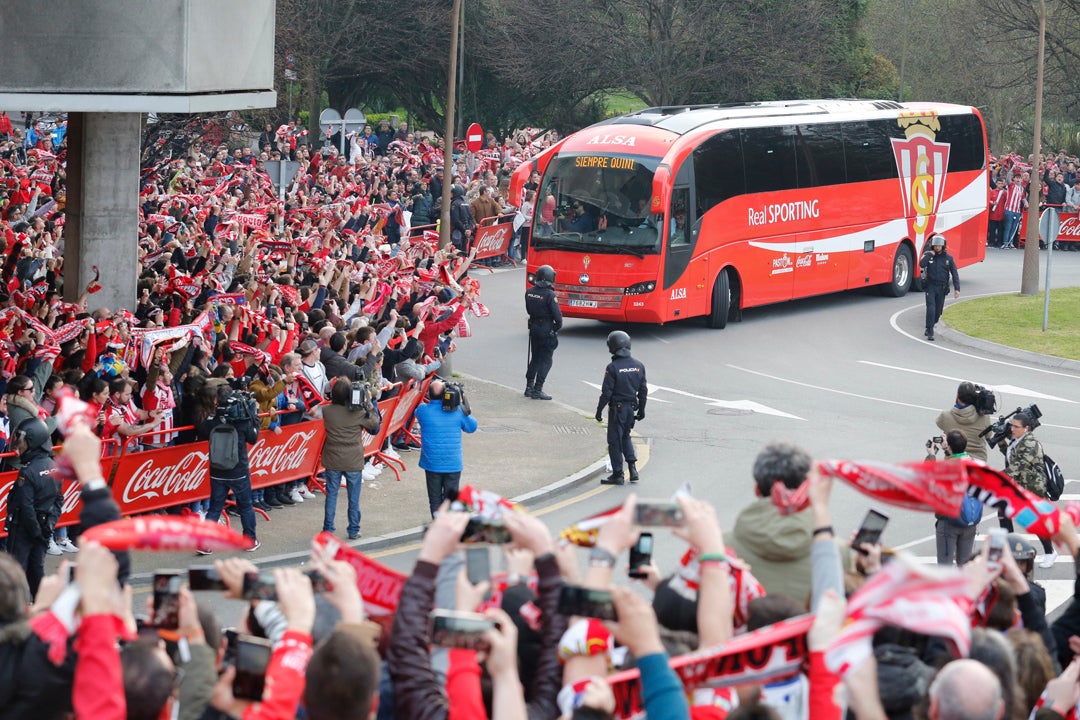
(825, 389)
(1010, 389)
(938, 346)
(651, 389)
(654, 335)
(732, 404)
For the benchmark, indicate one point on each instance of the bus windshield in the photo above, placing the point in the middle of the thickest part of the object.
(598, 203)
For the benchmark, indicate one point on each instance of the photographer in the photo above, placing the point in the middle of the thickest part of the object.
(956, 535)
(351, 411)
(229, 416)
(1024, 463)
(969, 418)
(442, 420)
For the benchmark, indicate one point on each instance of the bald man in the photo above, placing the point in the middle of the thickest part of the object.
(966, 690)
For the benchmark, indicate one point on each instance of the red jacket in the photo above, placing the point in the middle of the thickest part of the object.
(285, 678)
(98, 692)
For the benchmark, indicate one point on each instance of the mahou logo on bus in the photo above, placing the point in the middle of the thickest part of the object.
(922, 163)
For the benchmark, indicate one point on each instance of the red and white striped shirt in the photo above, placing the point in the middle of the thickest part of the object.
(1014, 197)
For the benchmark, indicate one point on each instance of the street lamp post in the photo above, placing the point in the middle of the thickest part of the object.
(448, 137)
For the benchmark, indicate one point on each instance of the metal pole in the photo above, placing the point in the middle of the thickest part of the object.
(1029, 281)
(342, 143)
(461, 73)
(903, 53)
(281, 196)
(1052, 224)
(290, 102)
(448, 137)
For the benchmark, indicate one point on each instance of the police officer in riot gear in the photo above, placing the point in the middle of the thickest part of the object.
(35, 500)
(938, 267)
(624, 392)
(545, 321)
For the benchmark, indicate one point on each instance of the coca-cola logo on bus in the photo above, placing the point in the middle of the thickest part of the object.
(151, 479)
(268, 459)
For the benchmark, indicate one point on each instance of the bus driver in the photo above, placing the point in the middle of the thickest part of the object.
(581, 221)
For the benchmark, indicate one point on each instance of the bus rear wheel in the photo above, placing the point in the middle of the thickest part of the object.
(721, 301)
(902, 271)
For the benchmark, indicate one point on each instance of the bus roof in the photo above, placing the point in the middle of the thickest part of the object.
(681, 119)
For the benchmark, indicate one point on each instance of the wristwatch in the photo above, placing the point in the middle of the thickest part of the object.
(600, 557)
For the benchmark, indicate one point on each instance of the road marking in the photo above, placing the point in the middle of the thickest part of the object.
(732, 404)
(938, 346)
(1011, 389)
(666, 342)
(825, 389)
(651, 390)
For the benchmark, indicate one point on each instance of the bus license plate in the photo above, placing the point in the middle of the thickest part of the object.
(582, 303)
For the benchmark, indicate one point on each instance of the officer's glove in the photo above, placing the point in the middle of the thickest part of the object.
(639, 415)
(599, 417)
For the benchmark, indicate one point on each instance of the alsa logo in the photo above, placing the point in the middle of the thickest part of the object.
(678, 293)
(624, 140)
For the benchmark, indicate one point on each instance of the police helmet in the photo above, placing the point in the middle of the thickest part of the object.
(457, 191)
(1020, 548)
(34, 433)
(544, 276)
(618, 343)
(937, 239)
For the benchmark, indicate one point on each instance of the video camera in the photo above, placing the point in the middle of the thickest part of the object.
(985, 402)
(453, 395)
(1000, 430)
(360, 396)
(237, 403)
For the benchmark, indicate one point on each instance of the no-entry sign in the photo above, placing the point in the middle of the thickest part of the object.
(474, 138)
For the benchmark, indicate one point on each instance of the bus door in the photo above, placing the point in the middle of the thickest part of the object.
(685, 276)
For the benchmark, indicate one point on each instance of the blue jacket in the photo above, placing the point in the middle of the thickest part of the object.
(440, 449)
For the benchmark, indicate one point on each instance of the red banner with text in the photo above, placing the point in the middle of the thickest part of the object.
(493, 240)
(156, 479)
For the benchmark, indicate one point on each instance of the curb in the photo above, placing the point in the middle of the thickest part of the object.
(533, 497)
(985, 346)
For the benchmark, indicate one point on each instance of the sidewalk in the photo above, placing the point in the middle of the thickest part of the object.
(523, 449)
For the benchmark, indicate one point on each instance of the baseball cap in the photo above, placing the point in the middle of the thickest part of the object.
(308, 346)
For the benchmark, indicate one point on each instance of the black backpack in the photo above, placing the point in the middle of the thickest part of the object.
(1055, 479)
(224, 447)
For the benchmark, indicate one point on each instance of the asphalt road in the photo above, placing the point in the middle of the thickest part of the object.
(847, 375)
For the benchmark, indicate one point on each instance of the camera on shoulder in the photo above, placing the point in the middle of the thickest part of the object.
(452, 396)
(1000, 429)
(360, 396)
(236, 403)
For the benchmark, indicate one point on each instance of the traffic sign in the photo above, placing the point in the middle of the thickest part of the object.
(329, 119)
(354, 120)
(474, 138)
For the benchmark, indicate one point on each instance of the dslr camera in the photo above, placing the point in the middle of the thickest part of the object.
(1000, 430)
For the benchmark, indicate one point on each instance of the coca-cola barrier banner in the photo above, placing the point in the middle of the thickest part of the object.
(1069, 231)
(493, 240)
(153, 480)
(157, 479)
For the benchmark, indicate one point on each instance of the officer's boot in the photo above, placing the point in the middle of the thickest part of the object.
(538, 392)
(530, 388)
(633, 471)
(615, 478)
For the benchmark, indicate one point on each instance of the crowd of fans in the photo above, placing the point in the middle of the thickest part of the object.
(907, 642)
(1010, 185)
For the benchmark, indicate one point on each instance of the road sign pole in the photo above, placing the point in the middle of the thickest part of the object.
(281, 197)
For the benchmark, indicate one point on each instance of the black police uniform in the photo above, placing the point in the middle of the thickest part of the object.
(545, 321)
(936, 270)
(33, 511)
(624, 392)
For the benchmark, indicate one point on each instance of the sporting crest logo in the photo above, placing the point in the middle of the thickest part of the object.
(921, 163)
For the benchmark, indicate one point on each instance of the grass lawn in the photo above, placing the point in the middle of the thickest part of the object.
(622, 103)
(1017, 321)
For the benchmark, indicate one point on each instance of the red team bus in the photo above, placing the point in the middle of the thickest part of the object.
(677, 212)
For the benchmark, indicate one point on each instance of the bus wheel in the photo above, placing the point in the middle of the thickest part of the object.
(721, 301)
(902, 271)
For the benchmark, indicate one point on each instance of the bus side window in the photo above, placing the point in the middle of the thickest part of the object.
(678, 227)
(718, 170)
